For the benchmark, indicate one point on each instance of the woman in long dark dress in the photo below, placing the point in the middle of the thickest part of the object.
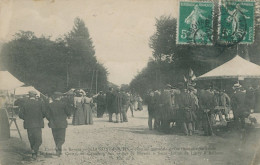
(78, 117)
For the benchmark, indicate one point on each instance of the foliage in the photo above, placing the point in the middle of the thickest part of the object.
(59, 65)
(171, 62)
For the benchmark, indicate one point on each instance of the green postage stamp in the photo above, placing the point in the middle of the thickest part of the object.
(236, 22)
(195, 23)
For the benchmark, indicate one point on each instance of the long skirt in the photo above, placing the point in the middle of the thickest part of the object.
(4, 124)
(88, 114)
(78, 117)
(135, 105)
(140, 106)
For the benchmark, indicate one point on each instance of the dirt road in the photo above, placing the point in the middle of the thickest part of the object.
(132, 143)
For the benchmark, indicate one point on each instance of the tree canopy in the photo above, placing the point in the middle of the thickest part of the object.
(67, 62)
(171, 62)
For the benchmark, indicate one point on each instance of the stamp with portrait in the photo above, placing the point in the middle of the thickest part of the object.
(195, 23)
(236, 22)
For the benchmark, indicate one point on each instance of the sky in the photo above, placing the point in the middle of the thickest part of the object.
(120, 29)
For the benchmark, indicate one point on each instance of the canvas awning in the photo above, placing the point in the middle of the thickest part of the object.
(25, 90)
(8, 81)
(235, 68)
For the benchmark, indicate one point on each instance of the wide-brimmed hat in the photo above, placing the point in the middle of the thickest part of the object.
(237, 86)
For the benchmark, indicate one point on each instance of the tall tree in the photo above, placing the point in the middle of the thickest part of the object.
(84, 69)
(172, 62)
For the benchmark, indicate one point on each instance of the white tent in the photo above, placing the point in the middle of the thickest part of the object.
(8, 81)
(235, 68)
(25, 90)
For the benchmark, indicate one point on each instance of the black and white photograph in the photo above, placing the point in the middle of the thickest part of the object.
(130, 82)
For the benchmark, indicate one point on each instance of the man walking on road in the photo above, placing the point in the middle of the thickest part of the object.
(57, 113)
(32, 112)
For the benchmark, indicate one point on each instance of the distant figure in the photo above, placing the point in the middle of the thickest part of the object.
(69, 100)
(79, 116)
(87, 103)
(250, 99)
(101, 104)
(131, 103)
(184, 102)
(157, 109)
(206, 105)
(32, 112)
(167, 107)
(239, 107)
(139, 103)
(57, 113)
(195, 106)
(257, 100)
(125, 103)
(111, 103)
(119, 106)
(150, 100)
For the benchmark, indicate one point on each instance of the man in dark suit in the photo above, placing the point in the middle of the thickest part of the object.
(184, 102)
(57, 113)
(111, 103)
(32, 112)
(206, 104)
(240, 110)
(101, 104)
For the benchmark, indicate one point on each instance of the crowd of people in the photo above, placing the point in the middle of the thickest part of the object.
(192, 110)
(119, 101)
(183, 107)
(77, 104)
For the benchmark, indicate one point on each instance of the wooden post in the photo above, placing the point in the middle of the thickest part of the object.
(92, 81)
(96, 80)
(67, 75)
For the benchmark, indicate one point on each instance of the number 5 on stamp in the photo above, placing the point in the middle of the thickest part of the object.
(195, 23)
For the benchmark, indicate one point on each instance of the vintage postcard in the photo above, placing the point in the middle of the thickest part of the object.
(129, 82)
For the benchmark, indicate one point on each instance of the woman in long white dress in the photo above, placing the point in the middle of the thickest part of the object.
(139, 103)
(78, 117)
(87, 102)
